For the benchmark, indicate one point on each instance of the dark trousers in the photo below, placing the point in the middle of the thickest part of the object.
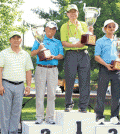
(77, 62)
(104, 77)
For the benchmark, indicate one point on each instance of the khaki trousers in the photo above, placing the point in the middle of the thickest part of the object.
(45, 77)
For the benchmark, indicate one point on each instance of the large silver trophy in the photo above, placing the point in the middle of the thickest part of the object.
(38, 33)
(91, 14)
(116, 63)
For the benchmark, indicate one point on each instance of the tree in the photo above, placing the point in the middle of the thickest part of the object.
(8, 14)
(109, 10)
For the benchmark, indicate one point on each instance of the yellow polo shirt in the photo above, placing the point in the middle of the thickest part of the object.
(15, 65)
(65, 32)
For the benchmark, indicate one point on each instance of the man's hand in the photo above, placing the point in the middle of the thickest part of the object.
(27, 91)
(109, 67)
(2, 90)
(91, 29)
(41, 47)
(51, 57)
(78, 44)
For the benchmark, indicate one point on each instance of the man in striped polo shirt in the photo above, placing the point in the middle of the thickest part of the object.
(15, 69)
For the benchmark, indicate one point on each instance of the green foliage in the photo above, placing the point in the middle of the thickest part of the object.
(8, 14)
(94, 75)
(109, 10)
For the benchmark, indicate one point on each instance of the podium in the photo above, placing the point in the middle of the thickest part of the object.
(29, 127)
(72, 122)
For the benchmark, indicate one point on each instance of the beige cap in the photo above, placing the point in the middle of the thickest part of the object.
(72, 6)
(13, 33)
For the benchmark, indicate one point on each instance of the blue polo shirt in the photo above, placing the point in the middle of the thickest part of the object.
(55, 47)
(106, 49)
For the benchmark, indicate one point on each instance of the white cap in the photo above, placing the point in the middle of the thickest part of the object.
(51, 24)
(110, 21)
(72, 6)
(13, 33)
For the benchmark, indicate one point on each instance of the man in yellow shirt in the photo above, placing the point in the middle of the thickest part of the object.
(15, 68)
(76, 59)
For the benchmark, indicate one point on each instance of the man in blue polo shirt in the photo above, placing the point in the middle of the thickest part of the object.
(47, 73)
(105, 52)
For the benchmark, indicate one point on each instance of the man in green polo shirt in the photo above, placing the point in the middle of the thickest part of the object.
(76, 59)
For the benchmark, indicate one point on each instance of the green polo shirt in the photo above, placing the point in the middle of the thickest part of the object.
(66, 32)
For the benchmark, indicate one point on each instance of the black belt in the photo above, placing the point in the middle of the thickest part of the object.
(15, 83)
(47, 66)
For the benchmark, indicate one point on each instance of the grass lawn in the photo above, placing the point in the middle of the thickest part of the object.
(29, 111)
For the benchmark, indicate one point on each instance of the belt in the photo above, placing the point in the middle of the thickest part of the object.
(79, 50)
(47, 66)
(15, 83)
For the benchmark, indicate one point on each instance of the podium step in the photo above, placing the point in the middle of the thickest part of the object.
(71, 121)
(107, 128)
(29, 127)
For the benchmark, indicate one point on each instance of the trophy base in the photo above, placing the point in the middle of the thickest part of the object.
(43, 55)
(88, 39)
(116, 65)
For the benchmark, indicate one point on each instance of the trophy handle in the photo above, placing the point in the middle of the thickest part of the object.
(99, 11)
(84, 6)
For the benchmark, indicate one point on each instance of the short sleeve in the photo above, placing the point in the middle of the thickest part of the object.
(61, 48)
(64, 33)
(35, 45)
(2, 59)
(29, 64)
(98, 48)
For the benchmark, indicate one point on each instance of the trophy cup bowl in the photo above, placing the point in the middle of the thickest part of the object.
(38, 33)
(91, 14)
(116, 63)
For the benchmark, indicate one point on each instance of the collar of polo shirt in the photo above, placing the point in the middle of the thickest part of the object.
(11, 51)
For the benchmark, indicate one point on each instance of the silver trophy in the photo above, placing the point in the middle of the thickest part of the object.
(116, 63)
(91, 14)
(38, 33)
